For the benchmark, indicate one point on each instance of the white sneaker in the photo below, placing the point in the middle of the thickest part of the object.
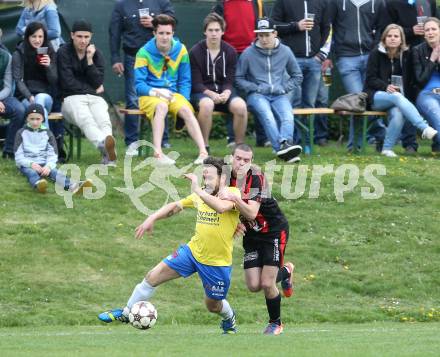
(200, 159)
(131, 150)
(388, 153)
(164, 160)
(429, 133)
(294, 159)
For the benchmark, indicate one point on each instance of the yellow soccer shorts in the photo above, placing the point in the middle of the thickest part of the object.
(148, 105)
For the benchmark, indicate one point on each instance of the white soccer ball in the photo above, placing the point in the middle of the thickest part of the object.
(143, 315)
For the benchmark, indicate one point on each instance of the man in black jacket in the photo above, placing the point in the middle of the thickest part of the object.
(131, 26)
(356, 26)
(304, 27)
(81, 78)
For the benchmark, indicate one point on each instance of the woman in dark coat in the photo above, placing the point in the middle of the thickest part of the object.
(388, 64)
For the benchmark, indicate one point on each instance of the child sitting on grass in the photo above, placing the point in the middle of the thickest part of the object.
(36, 154)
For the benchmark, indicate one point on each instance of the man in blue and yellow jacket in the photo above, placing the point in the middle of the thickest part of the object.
(163, 84)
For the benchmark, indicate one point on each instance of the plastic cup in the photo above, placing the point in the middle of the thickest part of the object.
(41, 52)
(144, 12)
(397, 81)
(421, 20)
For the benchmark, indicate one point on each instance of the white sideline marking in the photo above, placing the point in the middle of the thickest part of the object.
(292, 330)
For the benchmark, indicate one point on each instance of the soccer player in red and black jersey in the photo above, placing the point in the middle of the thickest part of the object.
(266, 232)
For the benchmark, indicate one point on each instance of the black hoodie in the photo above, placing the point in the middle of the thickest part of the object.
(214, 74)
(287, 13)
(356, 29)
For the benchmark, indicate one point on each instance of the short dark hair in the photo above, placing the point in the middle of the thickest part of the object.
(244, 147)
(218, 163)
(163, 19)
(214, 17)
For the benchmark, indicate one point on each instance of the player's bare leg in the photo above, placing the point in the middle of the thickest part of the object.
(142, 292)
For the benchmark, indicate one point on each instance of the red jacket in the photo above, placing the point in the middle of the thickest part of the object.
(241, 17)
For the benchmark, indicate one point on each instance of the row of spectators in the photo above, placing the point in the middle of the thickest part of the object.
(303, 27)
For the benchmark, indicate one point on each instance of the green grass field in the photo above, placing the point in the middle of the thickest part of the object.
(367, 270)
(378, 339)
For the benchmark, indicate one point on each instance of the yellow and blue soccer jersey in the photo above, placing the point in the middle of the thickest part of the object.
(212, 242)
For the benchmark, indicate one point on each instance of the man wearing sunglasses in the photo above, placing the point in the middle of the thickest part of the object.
(163, 84)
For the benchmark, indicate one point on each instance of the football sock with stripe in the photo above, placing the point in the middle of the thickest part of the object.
(226, 311)
(142, 292)
(283, 273)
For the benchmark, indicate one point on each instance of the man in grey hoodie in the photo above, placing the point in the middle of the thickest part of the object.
(356, 26)
(260, 74)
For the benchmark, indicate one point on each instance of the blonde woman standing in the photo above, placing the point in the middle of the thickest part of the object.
(44, 11)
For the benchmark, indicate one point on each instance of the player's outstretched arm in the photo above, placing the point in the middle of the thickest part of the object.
(164, 212)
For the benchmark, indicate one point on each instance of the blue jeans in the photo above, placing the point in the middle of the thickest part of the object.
(14, 111)
(305, 95)
(399, 109)
(33, 177)
(353, 71)
(321, 121)
(428, 104)
(275, 114)
(131, 102)
(46, 101)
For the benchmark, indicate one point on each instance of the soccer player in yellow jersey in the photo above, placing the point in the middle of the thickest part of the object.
(209, 252)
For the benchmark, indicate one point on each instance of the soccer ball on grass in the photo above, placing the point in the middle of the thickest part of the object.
(143, 315)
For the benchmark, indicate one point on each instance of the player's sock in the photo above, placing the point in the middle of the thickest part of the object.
(142, 292)
(283, 273)
(226, 311)
(274, 308)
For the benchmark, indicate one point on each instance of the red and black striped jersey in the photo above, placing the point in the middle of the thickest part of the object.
(270, 220)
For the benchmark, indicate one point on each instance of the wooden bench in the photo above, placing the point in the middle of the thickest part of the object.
(308, 113)
(74, 133)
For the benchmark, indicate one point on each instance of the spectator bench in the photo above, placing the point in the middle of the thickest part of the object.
(74, 135)
(307, 113)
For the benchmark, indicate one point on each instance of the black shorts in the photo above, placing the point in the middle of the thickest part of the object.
(223, 108)
(258, 253)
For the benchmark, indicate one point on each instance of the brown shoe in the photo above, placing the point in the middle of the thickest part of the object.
(41, 186)
(109, 145)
